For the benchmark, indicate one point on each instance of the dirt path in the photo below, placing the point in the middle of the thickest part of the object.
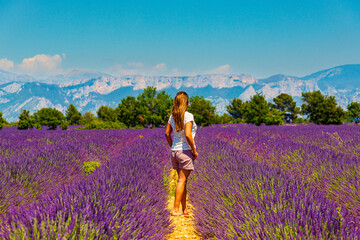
(183, 227)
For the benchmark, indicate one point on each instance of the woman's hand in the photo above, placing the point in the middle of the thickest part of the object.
(195, 155)
(168, 134)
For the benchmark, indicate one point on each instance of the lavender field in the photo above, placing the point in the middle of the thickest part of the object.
(286, 182)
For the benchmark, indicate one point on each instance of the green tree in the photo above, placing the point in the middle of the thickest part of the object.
(64, 125)
(162, 107)
(38, 126)
(107, 114)
(223, 119)
(100, 124)
(50, 117)
(11, 124)
(285, 103)
(147, 101)
(129, 111)
(154, 107)
(236, 108)
(87, 118)
(301, 120)
(274, 117)
(73, 116)
(2, 121)
(256, 110)
(203, 110)
(226, 119)
(321, 109)
(354, 112)
(26, 121)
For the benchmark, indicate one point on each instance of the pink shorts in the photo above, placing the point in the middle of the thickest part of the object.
(182, 159)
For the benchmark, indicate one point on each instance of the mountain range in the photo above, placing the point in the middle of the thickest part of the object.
(89, 90)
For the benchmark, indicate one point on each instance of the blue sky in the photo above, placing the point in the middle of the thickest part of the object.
(261, 38)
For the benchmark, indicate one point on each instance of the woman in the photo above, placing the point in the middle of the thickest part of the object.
(183, 150)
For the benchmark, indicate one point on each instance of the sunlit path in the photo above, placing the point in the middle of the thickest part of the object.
(183, 227)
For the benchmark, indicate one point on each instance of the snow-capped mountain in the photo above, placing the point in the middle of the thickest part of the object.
(89, 90)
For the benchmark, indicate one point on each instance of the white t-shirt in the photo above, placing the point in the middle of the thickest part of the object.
(179, 141)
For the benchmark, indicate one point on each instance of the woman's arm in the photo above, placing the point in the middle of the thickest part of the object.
(168, 134)
(189, 138)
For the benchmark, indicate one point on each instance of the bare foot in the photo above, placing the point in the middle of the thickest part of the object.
(186, 213)
(174, 213)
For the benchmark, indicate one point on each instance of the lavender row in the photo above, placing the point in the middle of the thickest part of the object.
(236, 197)
(123, 199)
(37, 162)
(344, 139)
(335, 174)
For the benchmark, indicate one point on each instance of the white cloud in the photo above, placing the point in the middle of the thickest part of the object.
(6, 64)
(223, 69)
(41, 65)
(160, 67)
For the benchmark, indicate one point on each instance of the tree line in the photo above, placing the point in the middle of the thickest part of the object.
(152, 108)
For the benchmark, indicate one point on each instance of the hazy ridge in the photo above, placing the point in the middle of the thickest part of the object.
(89, 90)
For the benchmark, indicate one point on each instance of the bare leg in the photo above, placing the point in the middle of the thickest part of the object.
(179, 192)
(183, 200)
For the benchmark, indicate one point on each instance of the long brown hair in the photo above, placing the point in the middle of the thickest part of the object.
(181, 102)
